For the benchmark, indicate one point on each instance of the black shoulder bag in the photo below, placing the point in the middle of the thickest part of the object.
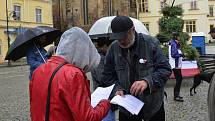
(49, 91)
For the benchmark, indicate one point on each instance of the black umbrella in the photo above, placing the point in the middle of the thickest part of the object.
(19, 47)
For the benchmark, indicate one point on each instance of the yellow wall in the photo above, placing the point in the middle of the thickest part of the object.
(152, 17)
(200, 15)
(28, 18)
(211, 20)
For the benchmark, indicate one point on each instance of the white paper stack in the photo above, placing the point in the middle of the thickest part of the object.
(100, 93)
(129, 102)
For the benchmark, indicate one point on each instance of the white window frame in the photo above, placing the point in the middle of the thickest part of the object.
(17, 10)
(190, 26)
(38, 15)
(211, 26)
(143, 6)
(194, 5)
(211, 10)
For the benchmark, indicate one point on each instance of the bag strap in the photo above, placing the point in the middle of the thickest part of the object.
(49, 91)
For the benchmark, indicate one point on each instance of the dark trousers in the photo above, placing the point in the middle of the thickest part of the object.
(159, 116)
(178, 77)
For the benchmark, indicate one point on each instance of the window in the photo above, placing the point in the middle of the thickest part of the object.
(194, 5)
(38, 15)
(211, 11)
(143, 6)
(17, 10)
(211, 26)
(146, 24)
(0, 47)
(190, 26)
(85, 10)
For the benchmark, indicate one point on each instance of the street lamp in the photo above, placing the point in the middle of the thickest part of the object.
(13, 13)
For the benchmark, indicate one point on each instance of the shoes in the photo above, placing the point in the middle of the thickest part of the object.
(179, 99)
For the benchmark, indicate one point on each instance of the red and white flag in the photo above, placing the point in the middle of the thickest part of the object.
(189, 69)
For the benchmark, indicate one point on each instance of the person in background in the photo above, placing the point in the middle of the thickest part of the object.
(36, 54)
(70, 88)
(102, 47)
(52, 50)
(175, 60)
(136, 65)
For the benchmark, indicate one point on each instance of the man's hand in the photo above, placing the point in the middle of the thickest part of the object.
(138, 87)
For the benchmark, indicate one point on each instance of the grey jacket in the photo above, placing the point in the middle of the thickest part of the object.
(146, 62)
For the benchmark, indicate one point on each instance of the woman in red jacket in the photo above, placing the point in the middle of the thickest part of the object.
(70, 90)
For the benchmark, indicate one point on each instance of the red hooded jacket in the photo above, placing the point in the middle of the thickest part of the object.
(70, 94)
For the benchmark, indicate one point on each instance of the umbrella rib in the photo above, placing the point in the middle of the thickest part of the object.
(39, 52)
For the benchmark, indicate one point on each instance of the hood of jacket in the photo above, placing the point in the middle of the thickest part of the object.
(76, 47)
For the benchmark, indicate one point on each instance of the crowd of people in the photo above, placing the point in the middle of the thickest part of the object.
(134, 62)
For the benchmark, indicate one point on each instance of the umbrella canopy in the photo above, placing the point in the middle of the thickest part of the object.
(101, 28)
(19, 47)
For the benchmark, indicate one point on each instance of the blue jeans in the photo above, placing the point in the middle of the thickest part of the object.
(110, 116)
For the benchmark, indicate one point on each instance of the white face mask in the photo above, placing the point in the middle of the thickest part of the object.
(130, 44)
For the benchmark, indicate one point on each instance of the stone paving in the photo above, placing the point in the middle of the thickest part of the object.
(194, 108)
(14, 98)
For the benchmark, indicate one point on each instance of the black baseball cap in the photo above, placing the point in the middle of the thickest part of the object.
(212, 31)
(120, 26)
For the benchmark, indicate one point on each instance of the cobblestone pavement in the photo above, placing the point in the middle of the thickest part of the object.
(14, 98)
(194, 108)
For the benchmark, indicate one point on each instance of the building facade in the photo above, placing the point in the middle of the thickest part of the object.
(211, 15)
(198, 15)
(22, 14)
(83, 13)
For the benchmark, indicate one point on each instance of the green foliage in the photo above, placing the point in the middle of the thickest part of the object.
(172, 11)
(165, 51)
(171, 24)
(184, 37)
(190, 52)
(163, 37)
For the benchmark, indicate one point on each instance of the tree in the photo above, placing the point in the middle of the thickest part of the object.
(172, 22)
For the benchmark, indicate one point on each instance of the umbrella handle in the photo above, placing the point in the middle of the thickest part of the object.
(39, 52)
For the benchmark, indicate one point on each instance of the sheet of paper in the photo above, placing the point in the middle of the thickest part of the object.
(100, 93)
(129, 102)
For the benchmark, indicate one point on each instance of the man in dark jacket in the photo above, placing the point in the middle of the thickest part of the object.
(135, 63)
